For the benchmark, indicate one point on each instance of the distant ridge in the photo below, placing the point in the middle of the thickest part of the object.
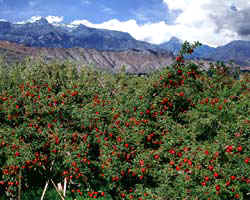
(43, 34)
(136, 61)
(174, 45)
(237, 51)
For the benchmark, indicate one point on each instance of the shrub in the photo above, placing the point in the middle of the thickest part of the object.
(178, 133)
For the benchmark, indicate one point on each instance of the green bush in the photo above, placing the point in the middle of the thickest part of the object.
(176, 134)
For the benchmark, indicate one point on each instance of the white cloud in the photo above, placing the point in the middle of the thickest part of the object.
(31, 20)
(200, 20)
(34, 18)
(54, 19)
(149, 32)
(155, 32)
(87, 2)
(108, 10)
(50, 19)
(32, 3)
(179, 4)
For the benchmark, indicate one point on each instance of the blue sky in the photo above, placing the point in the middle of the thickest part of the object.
(212, 22)
(96, 11)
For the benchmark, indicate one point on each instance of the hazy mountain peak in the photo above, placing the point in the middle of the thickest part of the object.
(4, 22)
(42, 21)
(238, 42)
(4, 26)
(81, 27)
(175, 39)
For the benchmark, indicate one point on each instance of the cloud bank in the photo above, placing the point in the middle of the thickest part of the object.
(50, 19)
(218, 22)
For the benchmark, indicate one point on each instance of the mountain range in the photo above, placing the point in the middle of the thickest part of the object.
(78, 42)
(43, 34)
(237, 51)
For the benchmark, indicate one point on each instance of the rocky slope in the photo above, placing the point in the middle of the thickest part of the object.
(136, 61)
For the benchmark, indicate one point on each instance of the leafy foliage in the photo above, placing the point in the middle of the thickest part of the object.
(176, 134)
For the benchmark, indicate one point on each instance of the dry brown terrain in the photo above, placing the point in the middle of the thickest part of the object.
(136, 61)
